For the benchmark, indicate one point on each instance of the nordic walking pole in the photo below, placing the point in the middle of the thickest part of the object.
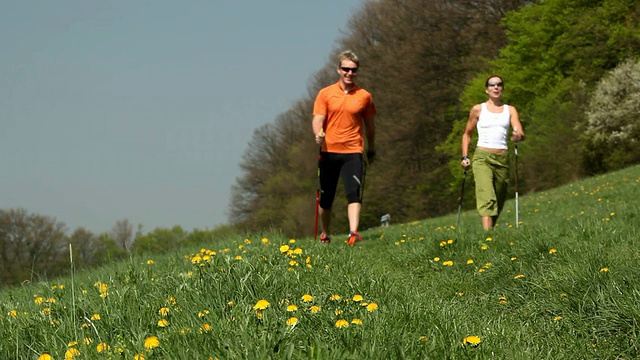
(516, 187)
(315, 224)
(464, 178)
(516, 182)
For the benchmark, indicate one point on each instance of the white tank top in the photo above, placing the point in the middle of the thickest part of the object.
(493, 127)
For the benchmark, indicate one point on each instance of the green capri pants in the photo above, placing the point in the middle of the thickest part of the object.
(491, 174)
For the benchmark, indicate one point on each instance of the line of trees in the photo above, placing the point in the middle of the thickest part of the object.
(425, 62)
(35, 247)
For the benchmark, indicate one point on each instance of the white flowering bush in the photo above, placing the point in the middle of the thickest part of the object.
(613, 116)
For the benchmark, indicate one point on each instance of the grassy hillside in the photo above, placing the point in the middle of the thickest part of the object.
(564, 284)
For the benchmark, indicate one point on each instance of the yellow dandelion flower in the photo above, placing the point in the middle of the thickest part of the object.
(557, 318)
(46, 311)
(513, 258)
(436, 259)
(338, 312)
(103, 346)
(372, 307)
(450, 241)
(292, 321)
(71, 353)
(72, 343)
(460, 293)
(447, 263)
(481, 270)
(503, 300)
(95, 317)
(163, 322)
(45, 356)
(342, 323)
(298, 251)
(314, 309)
(164, 311)
(519, 276)
(443, 243)
(511, 243)
(138, 357)
(357, 298)
(150, 262)
(356, 322)
(87, 340)
(238, 257)
(484, 247)
(12, 313)
(307, 298)
(205, 328)
(259, 314)
(293, 263)
(553, 251)
(423, 338)
(261, 305)
(335, 297)
(151, 342)
(38, 300)
(102, 287)
(604, 269)
(292, 307)
(470, 261)
(471, 340)
(50, 300)
(284, 248)
(265, 240)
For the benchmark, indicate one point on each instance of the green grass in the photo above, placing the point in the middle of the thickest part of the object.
(565, 284)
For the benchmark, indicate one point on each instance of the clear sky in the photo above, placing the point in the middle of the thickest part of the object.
(142, 109)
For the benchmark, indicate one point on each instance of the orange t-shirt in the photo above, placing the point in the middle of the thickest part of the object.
(345, 114)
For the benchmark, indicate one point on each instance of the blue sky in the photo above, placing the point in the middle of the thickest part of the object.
(141, 110)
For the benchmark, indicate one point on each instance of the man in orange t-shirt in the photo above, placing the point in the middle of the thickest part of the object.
(342, 113)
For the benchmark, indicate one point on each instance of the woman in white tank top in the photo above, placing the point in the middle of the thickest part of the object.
(491, 158)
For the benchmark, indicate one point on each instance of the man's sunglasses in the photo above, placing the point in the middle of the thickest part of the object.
(495, 84)
(347, 69)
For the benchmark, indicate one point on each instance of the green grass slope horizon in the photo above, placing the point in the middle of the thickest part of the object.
(564, 284)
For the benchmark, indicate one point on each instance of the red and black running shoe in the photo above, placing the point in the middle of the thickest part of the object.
(353, 237)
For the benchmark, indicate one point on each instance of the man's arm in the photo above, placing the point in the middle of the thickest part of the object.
(317, 124)
(370, 131)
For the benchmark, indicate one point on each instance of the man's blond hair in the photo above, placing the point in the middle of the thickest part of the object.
(348, 55)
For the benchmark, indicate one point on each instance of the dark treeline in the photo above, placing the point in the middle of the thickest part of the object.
(425, 63)
(35, 247)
